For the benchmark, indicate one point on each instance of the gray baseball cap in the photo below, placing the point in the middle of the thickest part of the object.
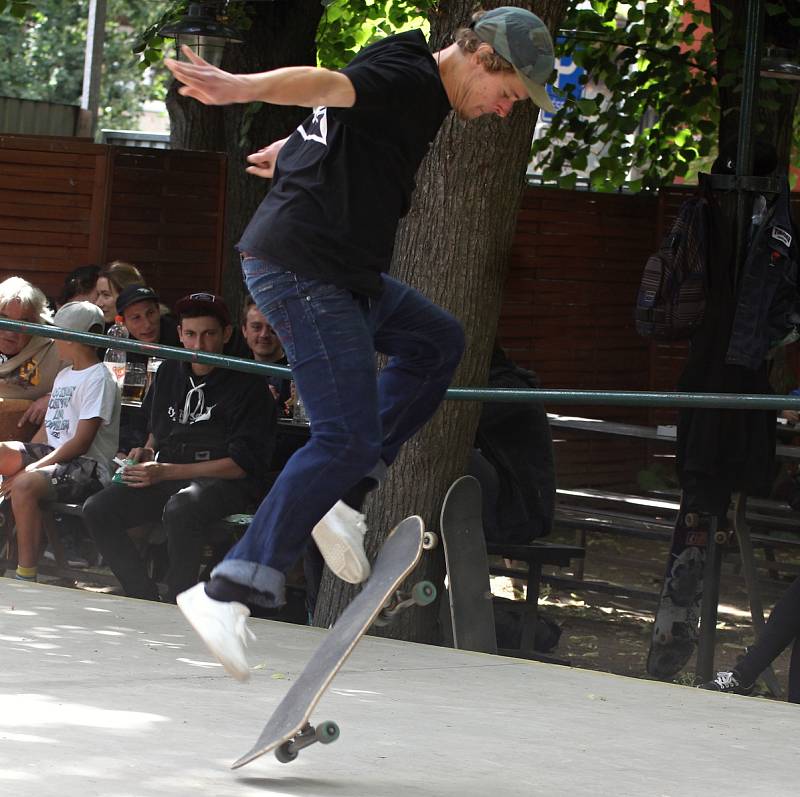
(524, 41)
(80, 317)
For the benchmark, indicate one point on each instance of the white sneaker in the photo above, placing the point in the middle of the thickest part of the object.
(221, 625)
(340, 539)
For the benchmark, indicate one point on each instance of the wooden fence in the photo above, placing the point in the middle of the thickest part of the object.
(575, 267)
(65, 202)
(567, 314)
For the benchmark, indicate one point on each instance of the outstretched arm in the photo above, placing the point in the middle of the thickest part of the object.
(305, 86)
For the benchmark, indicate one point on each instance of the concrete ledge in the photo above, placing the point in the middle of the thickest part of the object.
(109, 696)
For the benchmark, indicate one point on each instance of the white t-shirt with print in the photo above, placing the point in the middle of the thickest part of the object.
(81, 395)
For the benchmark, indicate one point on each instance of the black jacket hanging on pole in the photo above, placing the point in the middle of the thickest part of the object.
(729, 449)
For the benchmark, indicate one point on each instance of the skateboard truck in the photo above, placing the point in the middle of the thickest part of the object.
(422, 593)
(325, 733)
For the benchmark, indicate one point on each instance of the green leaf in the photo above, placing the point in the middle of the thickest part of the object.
(586, 107)
(568, 181)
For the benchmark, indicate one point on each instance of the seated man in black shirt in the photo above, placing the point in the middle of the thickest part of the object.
(211, 433)
(141, 313)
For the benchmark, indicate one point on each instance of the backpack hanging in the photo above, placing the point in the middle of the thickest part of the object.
(672, 293)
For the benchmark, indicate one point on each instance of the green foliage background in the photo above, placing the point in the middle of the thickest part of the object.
(655, 120)
(42, 46)
(657, 115)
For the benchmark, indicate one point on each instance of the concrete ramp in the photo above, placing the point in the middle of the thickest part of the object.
(113, 697)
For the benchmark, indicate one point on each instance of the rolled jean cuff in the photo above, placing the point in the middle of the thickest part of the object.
(267, 585)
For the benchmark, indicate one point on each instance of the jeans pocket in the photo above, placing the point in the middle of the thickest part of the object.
(266, 281)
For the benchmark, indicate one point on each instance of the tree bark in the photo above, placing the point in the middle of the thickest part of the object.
(453, 246)
(282, 33)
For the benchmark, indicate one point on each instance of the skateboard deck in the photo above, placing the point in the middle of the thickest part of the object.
(471, 608)
(288, 724)
(675, 631)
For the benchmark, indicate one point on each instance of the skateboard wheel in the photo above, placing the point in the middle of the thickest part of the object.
(429, 540)
(423, 593)
(691, 520)
(285, 754)
(327, 732)
(721, 537)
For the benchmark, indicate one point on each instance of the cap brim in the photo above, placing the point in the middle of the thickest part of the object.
(538, 94)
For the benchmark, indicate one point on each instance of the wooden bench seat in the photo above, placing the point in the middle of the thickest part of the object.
(534, 556)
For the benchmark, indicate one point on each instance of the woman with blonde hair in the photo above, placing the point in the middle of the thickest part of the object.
(113, 279)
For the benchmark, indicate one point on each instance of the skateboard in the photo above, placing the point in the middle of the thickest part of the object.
(471, 608)
(675, 631)
(288, 729)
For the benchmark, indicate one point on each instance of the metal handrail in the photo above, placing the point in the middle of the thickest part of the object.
(540, 395)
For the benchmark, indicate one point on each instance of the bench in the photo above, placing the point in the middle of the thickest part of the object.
(221, 534)
(534, 555)
(641, 517)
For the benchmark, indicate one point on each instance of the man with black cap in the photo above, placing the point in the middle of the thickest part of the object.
(140, 310)
(211, 433)
(315, 257)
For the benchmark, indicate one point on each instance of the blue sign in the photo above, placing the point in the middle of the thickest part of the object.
(568, 72)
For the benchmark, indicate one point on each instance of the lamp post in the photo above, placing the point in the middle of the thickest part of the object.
(202, 32)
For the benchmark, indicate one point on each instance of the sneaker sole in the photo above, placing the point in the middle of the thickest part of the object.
(230, 667)
(331, 547)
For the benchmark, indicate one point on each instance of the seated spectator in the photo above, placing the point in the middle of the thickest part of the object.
(28, 365)
(113, 279)
(265, 348)
(139, 307)
(211, 433)
(80, 428)
(80, 285)
(513, 459)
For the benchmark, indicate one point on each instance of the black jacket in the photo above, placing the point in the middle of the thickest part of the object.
(200, 418)
(515, 439)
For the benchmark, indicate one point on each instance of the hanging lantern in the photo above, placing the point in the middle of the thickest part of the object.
(202, 32)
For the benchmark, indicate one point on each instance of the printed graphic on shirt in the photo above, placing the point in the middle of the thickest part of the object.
(318, 126)
(56, 424)
(194, 409)
(27, 375)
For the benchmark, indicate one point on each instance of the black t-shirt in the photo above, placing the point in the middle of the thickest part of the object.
(345, 177)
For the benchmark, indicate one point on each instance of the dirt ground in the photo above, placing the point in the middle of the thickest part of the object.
(612, 633)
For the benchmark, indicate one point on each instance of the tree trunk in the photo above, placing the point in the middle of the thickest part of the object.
(282, 33)
(453, 246)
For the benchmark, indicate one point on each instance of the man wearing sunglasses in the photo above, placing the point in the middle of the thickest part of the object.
(211, 434)
(315, 257)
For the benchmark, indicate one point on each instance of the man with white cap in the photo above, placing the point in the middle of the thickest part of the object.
(70, 457)
(315, 257)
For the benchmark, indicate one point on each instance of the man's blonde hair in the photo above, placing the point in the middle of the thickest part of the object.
(468, 42)
(34, 302)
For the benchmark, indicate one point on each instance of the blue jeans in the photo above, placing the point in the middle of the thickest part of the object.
(359, 418)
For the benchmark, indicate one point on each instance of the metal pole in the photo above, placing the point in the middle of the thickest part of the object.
(754, 33)
(92, 67)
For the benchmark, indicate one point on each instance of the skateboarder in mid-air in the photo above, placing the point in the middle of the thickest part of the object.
(314, 258)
